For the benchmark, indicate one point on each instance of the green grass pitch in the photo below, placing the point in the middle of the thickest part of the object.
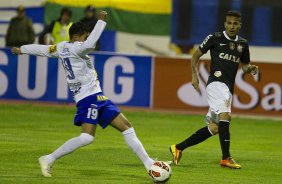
(28, 131)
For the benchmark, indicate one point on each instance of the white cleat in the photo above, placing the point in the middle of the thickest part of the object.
(45, 166)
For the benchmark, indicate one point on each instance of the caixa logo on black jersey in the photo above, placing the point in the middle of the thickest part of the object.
(229, 57)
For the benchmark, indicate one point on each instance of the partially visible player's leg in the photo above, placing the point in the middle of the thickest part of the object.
(220, 100)
(224, 134)
(85, 138)
(86, 117)
(123, 125)
(199, 136)
(196, 138)
(224, 137)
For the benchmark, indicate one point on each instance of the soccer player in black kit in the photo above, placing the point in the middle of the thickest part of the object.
(227, 51)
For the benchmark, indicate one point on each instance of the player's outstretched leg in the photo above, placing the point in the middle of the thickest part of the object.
(122, 124)
(46, 162)
(196, 138)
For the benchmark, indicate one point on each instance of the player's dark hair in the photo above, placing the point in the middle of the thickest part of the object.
(78, 28)
(90, 8)
(67, 11)
(234, 13)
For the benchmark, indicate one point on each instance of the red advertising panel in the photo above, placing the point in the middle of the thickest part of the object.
(259, 94)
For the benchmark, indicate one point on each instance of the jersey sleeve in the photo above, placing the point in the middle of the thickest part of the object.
(40, 50)
(245, 58)
(83, 48)
(207, 44)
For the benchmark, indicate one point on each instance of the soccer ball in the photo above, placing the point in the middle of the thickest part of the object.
(160, 172)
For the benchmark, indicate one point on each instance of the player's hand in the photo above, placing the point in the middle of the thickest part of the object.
(195, 83)
(253, 69)
(16, 50)
(102, 15)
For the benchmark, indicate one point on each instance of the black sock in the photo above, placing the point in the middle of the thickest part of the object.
(224, 137)
(199, 136)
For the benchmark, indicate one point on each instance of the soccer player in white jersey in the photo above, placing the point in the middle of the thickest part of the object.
(93, 107)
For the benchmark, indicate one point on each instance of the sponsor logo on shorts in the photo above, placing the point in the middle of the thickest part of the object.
(101, 98)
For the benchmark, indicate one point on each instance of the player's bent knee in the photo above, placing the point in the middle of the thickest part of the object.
(225, 116)
(213, 128)
(86, 138)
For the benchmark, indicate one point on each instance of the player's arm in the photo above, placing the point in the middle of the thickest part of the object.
(194, 67)
(206, 45)
(248, 68)
(90, 43)
(245, 60)
(37, 50)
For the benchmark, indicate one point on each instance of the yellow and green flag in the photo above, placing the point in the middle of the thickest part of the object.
(133, 16)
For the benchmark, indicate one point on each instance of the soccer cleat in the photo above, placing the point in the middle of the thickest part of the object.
(176, 154)
(45, 166)
(230, 163)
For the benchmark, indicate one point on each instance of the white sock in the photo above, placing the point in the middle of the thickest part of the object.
(71, 145)
(136, 146)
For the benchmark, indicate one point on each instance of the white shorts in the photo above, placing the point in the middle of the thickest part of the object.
(219, 100)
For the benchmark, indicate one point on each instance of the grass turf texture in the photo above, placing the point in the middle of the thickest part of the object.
(28, 131)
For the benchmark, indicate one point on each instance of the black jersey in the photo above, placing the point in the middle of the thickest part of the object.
(226, 54)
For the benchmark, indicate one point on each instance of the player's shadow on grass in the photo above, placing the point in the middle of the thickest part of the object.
(196, 164)
(131, 165)
(109, 174)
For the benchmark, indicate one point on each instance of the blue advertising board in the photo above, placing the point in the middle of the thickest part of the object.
(126, 80)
